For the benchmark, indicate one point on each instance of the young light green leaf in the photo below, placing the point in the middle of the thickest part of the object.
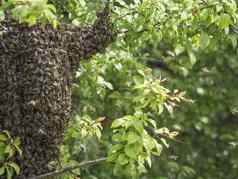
(2, 170)
(224, 21)
(3, 137)
(204, 40)
(131, 150)
(118, 122)
(15, 167)
(148, 159)
(122, 159)
(165, 142)
(132, 137)
(148, 142)
(192, 57)
(138, 125)
(116, 148)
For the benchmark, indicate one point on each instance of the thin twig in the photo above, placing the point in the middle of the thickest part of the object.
(67, 169)
(158, 136)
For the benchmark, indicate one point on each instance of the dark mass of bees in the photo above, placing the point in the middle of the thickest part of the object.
(36, 68)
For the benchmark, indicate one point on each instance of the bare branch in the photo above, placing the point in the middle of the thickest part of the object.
(68, 169)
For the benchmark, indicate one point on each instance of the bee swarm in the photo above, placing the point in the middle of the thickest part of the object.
(36, 69)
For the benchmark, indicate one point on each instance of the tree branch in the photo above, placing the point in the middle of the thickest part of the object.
(161, 65)
(68, 169)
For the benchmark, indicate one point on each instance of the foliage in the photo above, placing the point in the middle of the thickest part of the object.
(105, 84)
(117, 96)
(190, 38)
(9, 148)
(31, 11)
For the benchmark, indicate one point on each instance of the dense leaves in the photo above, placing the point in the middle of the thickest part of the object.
(117, 97)
(194, 45)
(9, 148)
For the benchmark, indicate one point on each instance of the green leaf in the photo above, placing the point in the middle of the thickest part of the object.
(98, 133)
(117, 169)
(16, 142)
(7, 133)
(82, 2)
(188, 170)
(2, 149)
(51, 7)
(3, 137)
(2, 16)
(31, 20)
(116, 148)
(192, 57)
(148, 142)
(204, 40)
(138, 79)
(15, 167)
(119, 137)
(101, 81)
(234, 41)
(2, 170)
(117, 123)
(10, 173)
(158, 148)
(138, 125)
(224, 21)
(132, 137)
(165, 142)
(10, 151)
(152, 122)
(112, 157)
(132, 150)
(18, 150)
(122, 3)
(122, 159)
(148, 159)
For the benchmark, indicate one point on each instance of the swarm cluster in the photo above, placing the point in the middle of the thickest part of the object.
(36, 68)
